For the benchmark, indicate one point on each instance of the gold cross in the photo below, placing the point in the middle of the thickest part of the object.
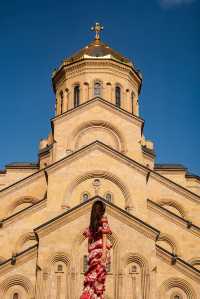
(97, 28)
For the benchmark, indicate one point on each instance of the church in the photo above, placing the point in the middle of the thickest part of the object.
(96, 149)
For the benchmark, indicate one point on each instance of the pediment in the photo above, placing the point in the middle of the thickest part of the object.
(80, 214)
(104, 105)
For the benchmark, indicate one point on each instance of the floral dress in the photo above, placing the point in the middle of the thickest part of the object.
(95, 276)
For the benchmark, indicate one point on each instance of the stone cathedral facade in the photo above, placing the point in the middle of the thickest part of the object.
(97, 149)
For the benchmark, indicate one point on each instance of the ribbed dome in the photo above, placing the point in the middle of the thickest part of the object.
(97, 49)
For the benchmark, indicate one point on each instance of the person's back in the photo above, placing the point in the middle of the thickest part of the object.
(98, 249)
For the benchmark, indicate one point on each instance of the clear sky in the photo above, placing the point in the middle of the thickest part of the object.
(162, 37)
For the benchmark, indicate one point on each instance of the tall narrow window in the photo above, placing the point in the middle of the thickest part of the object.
(76, 95)
(97, 89)
(108, 197)
(85, 196)
(16, 296)
(61, 102)
(118, 96)
(60, 268)
(132, 102)
(85, 263)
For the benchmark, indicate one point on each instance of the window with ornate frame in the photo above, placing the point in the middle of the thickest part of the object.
(176, 296)
(97, 89)
(76, 95)
(85, 196)
(118, 96)
(85, 263)
(15, 295)
(132, 102)
(108, 196)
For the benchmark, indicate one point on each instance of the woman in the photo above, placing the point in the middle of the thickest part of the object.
(98, 249)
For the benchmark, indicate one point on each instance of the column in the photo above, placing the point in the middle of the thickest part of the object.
(109, 92)
(66, 100)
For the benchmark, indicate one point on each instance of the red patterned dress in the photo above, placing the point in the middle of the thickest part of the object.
(95, 276)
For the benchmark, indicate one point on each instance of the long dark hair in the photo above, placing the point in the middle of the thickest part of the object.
(98, 209)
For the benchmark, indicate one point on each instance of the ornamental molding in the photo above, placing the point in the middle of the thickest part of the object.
(178, 264)
(19, 259)
(95, 71)
(174, 186)
(41, 204)
(184, 223)
(102, 103)
(96, 63)
(85, 208)
(20, 184)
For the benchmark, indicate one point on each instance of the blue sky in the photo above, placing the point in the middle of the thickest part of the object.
(162, 37)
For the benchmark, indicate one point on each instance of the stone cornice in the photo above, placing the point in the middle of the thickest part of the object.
(150, 173)
(184, 223)
(148, 153)
(174, 186)
(20, 258)
(23, 213)
(129, 116)
(27, 180)
(85, 63)
(85, 207)
(98, 145)
(178, 263)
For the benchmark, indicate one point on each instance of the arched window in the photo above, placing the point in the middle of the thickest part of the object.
(16, 296)
(108, 267)
(61, 102)
(118, 96)
(108, 197)
(85, 263)
(97, 89)
(132, 102)
(85, 196)
(76, 95)
(60, 268)
(176, 296)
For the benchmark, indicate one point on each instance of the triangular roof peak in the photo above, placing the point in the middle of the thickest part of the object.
(112, 210)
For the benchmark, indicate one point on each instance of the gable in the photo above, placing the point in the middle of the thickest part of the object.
(101, 121)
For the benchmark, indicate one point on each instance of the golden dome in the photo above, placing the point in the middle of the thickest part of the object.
(98, 50)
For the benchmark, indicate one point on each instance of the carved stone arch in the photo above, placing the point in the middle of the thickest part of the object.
(101, 124)
(100, 174)
(172, 203)
(119, 84)
(76, 83)
(142, 262)
(195, 262)
(176, 282)
(170, 241)
(57, 280)
(29, 236)
(18, 202)
(16, 280)
(55, 257)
